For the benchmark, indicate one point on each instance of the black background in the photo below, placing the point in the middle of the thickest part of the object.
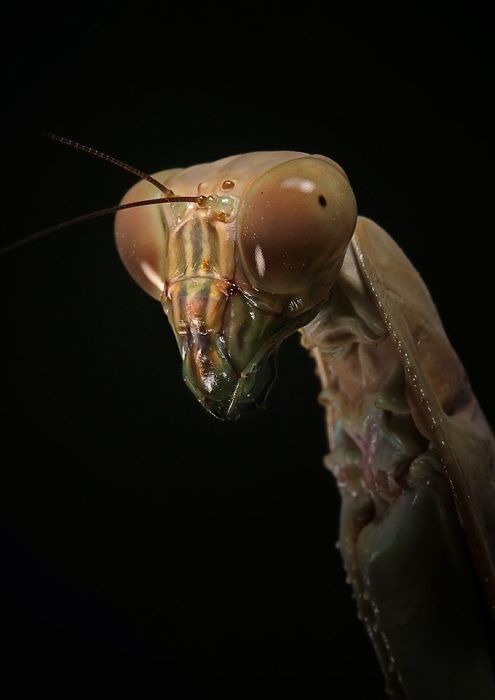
(144, 545)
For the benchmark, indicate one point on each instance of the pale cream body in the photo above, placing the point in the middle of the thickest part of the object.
(411, 451)
(405, 433)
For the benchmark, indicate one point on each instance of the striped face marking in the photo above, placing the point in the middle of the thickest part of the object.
(242, 263)
(201, 240)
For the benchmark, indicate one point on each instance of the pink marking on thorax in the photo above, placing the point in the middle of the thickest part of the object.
(368, 446)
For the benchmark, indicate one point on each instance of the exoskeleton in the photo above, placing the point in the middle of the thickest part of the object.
(276, 246)
(245, 251)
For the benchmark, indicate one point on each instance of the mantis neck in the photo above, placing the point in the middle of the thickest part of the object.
(400, 538)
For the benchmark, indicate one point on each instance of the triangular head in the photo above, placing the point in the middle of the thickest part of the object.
(242, 268)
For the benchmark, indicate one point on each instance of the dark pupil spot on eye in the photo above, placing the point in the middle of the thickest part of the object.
(322, 200)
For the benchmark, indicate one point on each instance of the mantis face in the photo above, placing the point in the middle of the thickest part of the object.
(241, 268)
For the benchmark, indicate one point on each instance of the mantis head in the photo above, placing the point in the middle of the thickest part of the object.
(240, 267)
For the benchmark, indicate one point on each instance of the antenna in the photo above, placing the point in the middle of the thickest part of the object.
(168, 198)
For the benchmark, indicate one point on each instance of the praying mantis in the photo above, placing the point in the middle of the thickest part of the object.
(245, 251)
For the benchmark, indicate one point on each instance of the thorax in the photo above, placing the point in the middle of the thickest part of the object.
(371, 431)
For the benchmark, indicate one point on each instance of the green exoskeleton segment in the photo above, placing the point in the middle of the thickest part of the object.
(273, 244)
(232, 279)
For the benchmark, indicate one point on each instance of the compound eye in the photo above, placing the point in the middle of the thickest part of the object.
(140, 237)
(295, 222)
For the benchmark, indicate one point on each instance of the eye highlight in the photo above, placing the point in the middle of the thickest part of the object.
(295, 222)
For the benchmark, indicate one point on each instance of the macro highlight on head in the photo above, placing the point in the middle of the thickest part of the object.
(239, 269)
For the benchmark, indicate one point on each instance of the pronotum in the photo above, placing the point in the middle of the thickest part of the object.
(245, 251)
